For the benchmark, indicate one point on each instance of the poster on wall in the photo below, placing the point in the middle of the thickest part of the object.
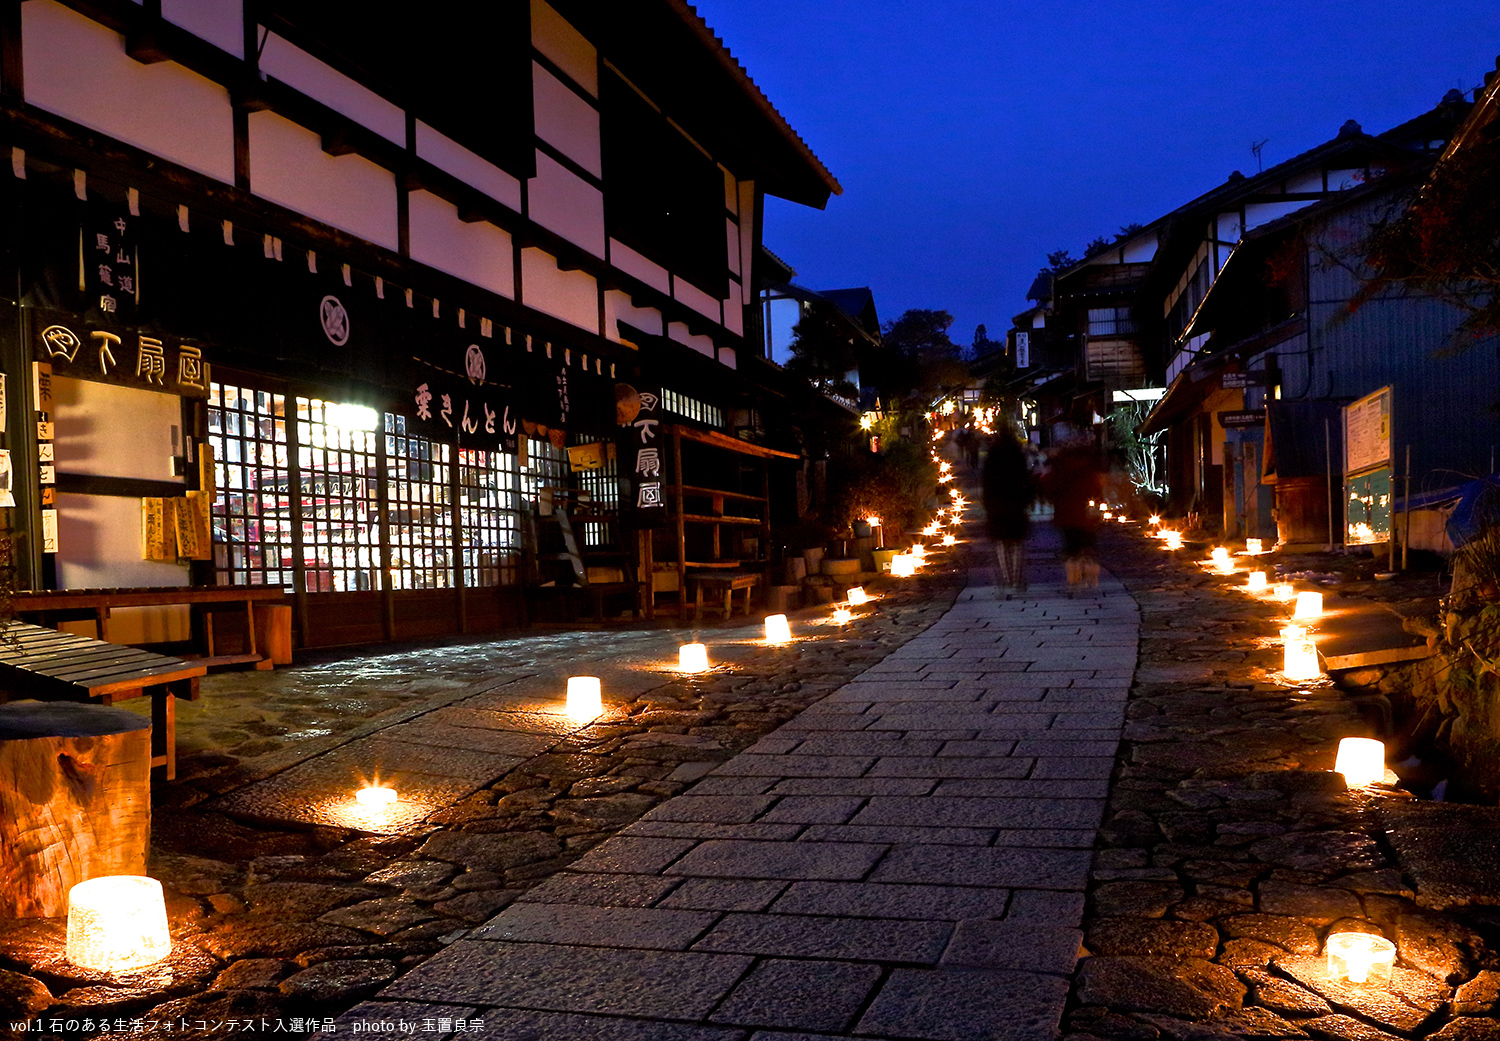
(2, 402)
(49, 531)
(1367, 469)
(7, 493)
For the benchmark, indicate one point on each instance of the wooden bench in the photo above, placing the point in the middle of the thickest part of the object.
(51, 666)
(722, 584)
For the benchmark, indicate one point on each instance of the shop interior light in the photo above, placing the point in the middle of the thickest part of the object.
(1309, 605)
(351, 417)
(1361, 760)
(1360, 957)
(777, 629)
(585, 699)
(117, 923)
(692, 657)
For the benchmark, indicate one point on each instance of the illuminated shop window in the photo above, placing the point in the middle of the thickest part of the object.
(419, 509)
(490, 512)
(252, 509)
(340, 523)
(691, 408)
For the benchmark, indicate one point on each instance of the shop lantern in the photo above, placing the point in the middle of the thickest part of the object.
(1299, 654)
(585, 699)
(1360, 957)
(117, 923)
(777, 629)
(1309, 605)
(692, 657)
(1155, 520)
(1221, 560)
(1361, 760)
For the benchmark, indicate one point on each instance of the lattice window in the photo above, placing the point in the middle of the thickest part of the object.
(252, 509)
(546, 467)
(603, 488)
(691, 408)
(340, 521)
(490, 507)
(419, 508)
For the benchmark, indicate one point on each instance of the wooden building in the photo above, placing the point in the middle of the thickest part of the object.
(301, 295)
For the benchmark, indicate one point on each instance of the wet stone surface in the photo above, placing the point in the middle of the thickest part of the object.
(285, 906)
(1230, 852)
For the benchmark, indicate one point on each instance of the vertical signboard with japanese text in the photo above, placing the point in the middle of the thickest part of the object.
(1367, 469)
(643, 455)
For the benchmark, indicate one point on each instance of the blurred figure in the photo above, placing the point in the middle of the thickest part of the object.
(968, 446)
(1008, 492)
(1074, 480)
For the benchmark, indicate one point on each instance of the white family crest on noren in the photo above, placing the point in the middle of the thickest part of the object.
(335, 320)
(474, 366)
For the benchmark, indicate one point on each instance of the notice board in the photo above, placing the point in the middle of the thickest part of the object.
(1367, 469)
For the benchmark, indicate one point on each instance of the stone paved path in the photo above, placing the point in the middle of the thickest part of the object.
(905, 859)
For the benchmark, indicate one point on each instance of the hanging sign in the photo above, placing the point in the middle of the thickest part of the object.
(74, 347)
(641, 455)
(453, 397)
(108, 255)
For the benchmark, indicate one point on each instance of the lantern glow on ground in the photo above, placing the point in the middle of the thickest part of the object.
(1309, 605)
(1361, 760)
(1299, 654)
(1360, 957)
(842, 615)
(777, 629)
(117, 923)
(692, 657)
(585, 699)
(1257, 582)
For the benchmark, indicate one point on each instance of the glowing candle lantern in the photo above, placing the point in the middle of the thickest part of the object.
(585, 700)
(1360, 957)
(376, 797)
(918, 552)
(777, 629)
(873, 521)
(692, 657)
(1257, 582)
(931, 529)
(1155, 519)
(1253, 546)
(1174, 540)
(1123, 519)
(842, 615)
(117, 923)
(1361, 760)
(857, 595)
(1299, 654)
(1285, 592)
(950, 540)
(1309, 605)
(1220, 556)
(903, 565)
(1108, 515)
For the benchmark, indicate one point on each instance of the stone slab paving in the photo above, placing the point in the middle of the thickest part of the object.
(905, 859)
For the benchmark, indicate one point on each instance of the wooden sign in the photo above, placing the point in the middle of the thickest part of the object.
(198, 504)
(154, 530)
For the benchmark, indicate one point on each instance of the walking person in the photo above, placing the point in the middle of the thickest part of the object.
(1073, 484)
(1008, 490)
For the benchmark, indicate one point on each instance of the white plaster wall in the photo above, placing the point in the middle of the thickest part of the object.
(451, 157)
(1258, 213)
(1311, 181)
(697, 299)
(1229, 227)
(784, 313)
(569, 295)
(565, 121)
(702, 344)
(479, 253)
(1343, 180)
(732, 242)
(220, 22)
(78, 69)
(618, 308)
(113, 431)
(99, 546)
(728, 358)
(747, 240)
(296, 68)
(734, 317)
(632, 263)
(1141, 250)
(566, 204)
(731, 192)
(564, 46)
(288, 166)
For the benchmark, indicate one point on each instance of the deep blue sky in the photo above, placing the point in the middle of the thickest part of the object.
(972, 137)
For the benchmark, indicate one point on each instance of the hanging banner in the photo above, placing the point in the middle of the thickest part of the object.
(642, 456)
(107, 253)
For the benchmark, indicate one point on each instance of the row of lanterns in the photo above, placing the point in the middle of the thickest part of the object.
(1358, 957)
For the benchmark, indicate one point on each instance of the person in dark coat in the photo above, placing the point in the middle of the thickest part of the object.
(1008, 493)
(1074, 482)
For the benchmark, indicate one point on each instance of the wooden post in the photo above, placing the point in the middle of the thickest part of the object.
(75, 801)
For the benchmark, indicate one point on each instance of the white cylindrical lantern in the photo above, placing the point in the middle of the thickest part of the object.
(1253, 546)
(857, 595)
(585, 698)
(692, 657)
(1361, 760)
(1108, 515)
(1299, 654)
(1360, 957)
(1309, 605)
(1257, 582)
(950, 540)
(777, 629)
(1285, 592)
(1155, 519)
(117, 923)
(903, 565)
(1174, 539)
(376, 797)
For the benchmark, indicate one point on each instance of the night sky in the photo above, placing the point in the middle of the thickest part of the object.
(973, 137)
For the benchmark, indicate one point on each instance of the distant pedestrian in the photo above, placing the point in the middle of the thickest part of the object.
(1074, 483)
(968, 446)
(1008, 490)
